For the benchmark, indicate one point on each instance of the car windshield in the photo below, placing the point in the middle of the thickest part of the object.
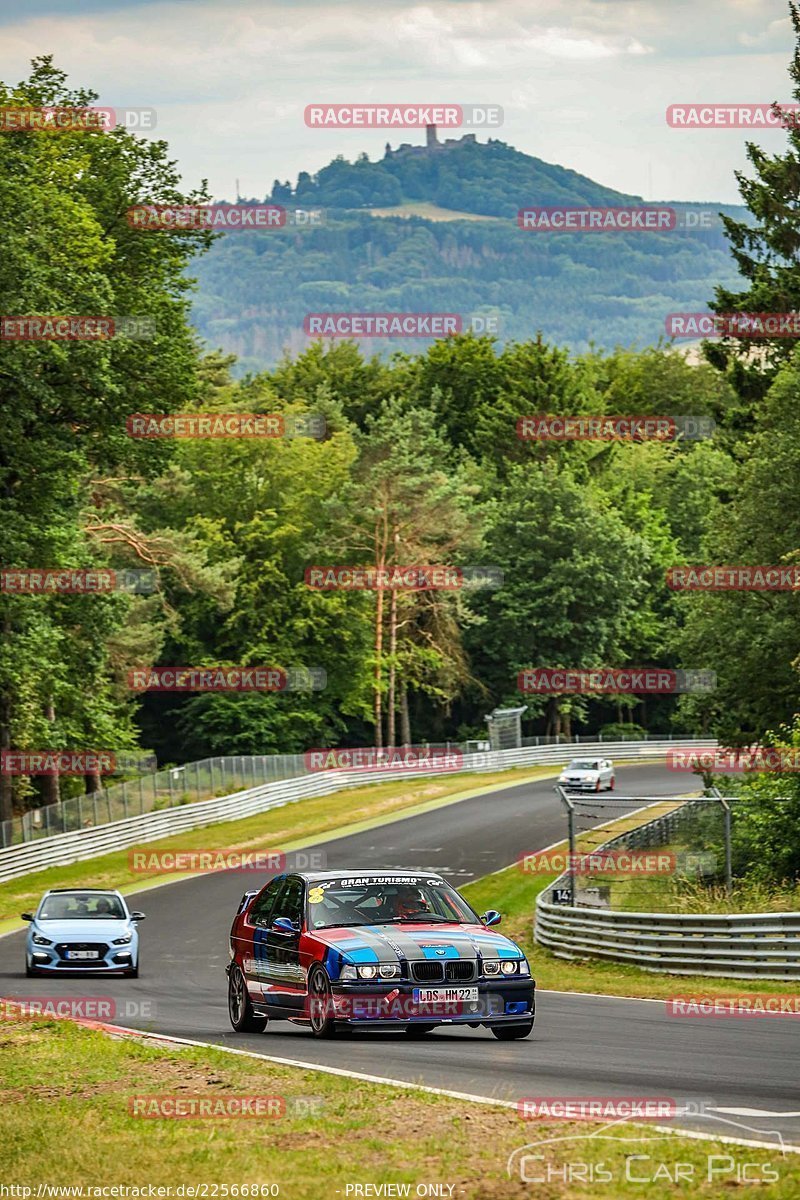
(582, 764)
(336, 902)
(82, 906)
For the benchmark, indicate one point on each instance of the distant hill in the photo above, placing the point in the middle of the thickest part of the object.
(491, 178)
(576, 288)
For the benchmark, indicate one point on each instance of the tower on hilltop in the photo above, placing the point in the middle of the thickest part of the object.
(431, 141)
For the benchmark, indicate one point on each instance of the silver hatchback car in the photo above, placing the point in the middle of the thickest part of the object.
(588, 775)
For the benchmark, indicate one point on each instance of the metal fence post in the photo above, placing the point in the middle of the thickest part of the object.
(726, 823)
(570, 807)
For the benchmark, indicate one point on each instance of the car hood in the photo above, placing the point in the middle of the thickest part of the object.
(93, 930)
(584, 773)
(416, 941)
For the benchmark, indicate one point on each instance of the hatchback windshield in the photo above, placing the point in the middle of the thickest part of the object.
(80, 906)
(333, 902)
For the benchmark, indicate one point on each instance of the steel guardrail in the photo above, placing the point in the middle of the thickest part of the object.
(726, 945)
(77, 845)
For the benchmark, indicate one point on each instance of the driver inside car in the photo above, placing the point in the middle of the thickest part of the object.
(403, 903)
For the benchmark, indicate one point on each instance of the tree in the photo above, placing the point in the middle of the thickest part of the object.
(574, 584)
(71, 252)
(767, 253)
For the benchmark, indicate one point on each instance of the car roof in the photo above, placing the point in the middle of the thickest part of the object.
(73, 890)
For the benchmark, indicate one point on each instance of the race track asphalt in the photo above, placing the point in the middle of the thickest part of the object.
(581, 1046)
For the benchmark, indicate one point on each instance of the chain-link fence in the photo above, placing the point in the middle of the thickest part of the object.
(201, 780)
(644, 854)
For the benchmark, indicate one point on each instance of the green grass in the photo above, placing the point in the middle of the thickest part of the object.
(289, 827)
(65, 1120)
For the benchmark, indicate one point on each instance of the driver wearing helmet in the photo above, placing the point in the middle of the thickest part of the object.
(407, 901)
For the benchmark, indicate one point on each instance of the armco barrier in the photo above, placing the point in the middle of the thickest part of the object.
(81, 844)
(748, 946)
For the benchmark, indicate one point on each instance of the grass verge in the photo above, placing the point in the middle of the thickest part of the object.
(66, 1120)
(290, 827)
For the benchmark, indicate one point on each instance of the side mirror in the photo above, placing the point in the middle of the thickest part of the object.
(283, 925)
(491, 917)
(27, 916)
(137, 916)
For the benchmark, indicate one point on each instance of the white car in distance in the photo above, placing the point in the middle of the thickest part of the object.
(588, 775)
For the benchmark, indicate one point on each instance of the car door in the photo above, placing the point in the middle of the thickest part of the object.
(250, 942)
(286, 977)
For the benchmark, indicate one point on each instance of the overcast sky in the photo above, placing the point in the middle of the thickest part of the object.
(583, 83)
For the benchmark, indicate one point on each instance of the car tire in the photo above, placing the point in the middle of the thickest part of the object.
(597, 785)
(320, 997)
(419, 1030)
(511, 1033)
(133, 973)
(240, 1009)
(29, 971)
(611, 783)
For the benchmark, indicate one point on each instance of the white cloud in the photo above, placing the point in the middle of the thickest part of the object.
(583, 82)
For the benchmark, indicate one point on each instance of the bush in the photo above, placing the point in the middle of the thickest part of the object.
(620, 732)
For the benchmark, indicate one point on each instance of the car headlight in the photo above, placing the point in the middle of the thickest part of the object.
(38, 940)
(390, 971)
(510, 966)
(348, 972)
(370, 971)
(492, 967)
(123, 941)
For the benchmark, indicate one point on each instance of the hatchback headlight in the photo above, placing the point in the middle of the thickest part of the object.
(390, 971)
(123, 941)
(38, 940)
